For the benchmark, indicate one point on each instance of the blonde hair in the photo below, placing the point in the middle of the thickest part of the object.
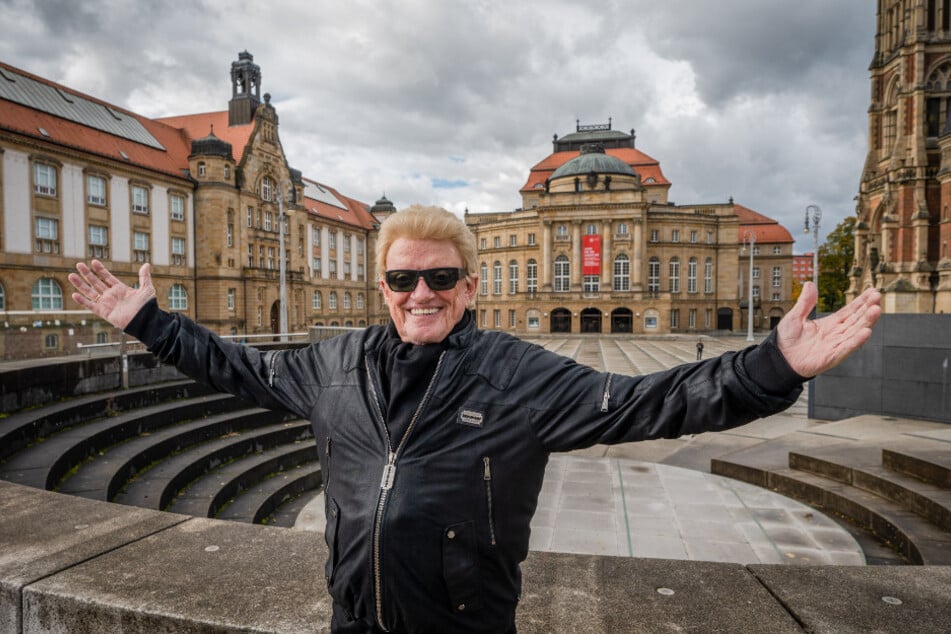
(426, 223)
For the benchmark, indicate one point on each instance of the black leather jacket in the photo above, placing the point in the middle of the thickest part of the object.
(428, 535)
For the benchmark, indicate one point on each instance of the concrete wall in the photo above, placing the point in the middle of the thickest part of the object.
(69, 565)
(903, 371)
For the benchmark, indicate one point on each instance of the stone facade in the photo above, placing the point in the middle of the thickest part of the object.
(904, 225)
(598, 248)
(199, 197)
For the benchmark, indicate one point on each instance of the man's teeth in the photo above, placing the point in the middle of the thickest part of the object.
(423, 311)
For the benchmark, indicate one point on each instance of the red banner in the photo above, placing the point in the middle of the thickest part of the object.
(591, 255)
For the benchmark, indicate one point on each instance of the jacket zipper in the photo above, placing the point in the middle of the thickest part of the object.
(388, 477)
(487, 476)
(272, 370)
(607, 394)
(327, 467)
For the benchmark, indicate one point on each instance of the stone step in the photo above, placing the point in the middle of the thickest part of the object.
(928, 501)
(927, 461)
(208, 494)
(102, 477)
(24, 428)
(287, 514)
(62, 451)
(920, 541)
(257, 503)
(156, 487)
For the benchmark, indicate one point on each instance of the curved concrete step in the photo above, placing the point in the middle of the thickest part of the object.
(287, 514)
(24, 428)
(930, 462)
(257, 503)
(102, 477)
(920, 541)
(208, 494)
(156, 487)
(45, 463)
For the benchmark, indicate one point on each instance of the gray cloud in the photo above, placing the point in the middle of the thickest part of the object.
(764, 101)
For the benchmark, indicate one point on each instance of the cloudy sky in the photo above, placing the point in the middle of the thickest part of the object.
(451, 102)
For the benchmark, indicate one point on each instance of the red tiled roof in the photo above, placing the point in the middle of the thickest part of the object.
(764, 228)
(70, 134)
(198, 126)
(355, 213)
(641, 163)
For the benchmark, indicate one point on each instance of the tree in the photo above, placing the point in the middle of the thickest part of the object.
(835, 263)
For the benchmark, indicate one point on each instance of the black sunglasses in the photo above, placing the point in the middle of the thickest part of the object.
(405, 280)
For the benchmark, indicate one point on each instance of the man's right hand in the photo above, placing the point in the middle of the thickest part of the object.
(106, 296)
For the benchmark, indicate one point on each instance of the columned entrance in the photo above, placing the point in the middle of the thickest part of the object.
(591, 320)
(622, 320)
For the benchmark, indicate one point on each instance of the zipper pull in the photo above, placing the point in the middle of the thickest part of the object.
(389, 473)
(487, 475)
(271, 372)
(606, 399)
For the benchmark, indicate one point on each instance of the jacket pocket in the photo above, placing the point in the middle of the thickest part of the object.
(487, 478)
(460, 568)
(330, 536)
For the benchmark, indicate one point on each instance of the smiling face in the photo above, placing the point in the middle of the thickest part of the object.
(424, 315)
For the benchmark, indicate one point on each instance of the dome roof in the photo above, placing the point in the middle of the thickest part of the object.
(383, 205)
(211, 146)
(593, 159)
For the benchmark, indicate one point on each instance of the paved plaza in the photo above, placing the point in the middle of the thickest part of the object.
(657, 498)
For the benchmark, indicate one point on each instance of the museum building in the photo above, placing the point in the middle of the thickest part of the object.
(597, 247)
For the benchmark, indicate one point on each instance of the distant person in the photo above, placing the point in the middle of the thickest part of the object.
(433, 435)
(699, 349)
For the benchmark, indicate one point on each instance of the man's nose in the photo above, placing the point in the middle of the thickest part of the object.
(422, 288)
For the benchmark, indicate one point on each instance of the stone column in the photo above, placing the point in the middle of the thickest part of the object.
(637, 256)
(546, 262)
(575, 255)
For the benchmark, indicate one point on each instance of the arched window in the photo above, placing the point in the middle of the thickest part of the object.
(332, 300)
(531, 276)
(483, 279)
(177, 297)
(622, 273)
(317, 301)
(346, 301)
(267, 188)
(513, 277)
(674, 275)
(47, 295)
(360, 300)
(497, 278)
(653, 275)
(562, 274)
(692, 275)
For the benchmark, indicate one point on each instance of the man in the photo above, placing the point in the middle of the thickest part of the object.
(434, 435)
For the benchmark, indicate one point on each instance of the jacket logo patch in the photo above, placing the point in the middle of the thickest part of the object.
(470, 417)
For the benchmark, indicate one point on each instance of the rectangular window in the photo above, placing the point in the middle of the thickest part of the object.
(497, 318)
(482, 318)
(512, 320)
(693, 237)
(178, 251)
(531, 239)
(268, 219)
(692, 318)
(230, 236)
(140, 247)
(675, 235)
(316, 236)
(591, 283)
(531, 280)
(346, 244)
(496, 242)
(231, 293)
(140, 199)
(270, 257)
(98, 242)
(47, 235)
(96, 190)
(250, 216)
(176, 207)
(315, 264)
(777, 277)
(44, 179)
(674, 318)
(513, 240)
(692, 276)
(250, 256)
(333, 240)
(755, 272)
(655, 235)
(513, 278)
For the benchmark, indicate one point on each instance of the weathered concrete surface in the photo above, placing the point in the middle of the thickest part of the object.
(42, 533)
(588, 593)
(199, 576)
(846, 599)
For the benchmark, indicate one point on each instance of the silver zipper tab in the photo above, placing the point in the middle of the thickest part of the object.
(605, 400)
(389, 473)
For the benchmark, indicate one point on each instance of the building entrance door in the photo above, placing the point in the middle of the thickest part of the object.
(622, 320)
(725, 319)
(591, 320)
(561, 320)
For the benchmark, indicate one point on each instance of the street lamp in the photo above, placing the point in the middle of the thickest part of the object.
(749, 237)
(816, 215)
